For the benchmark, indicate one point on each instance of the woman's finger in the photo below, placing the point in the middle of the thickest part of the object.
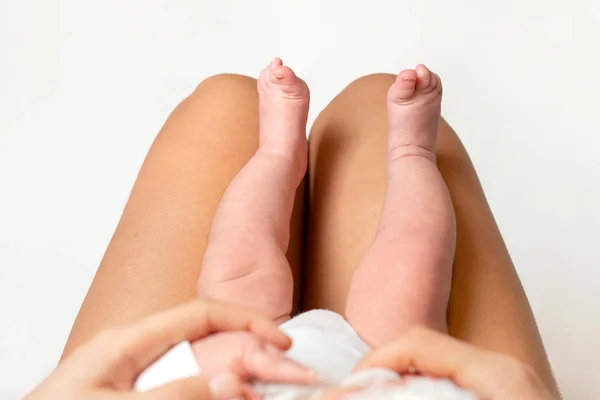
(270, 364)
(424, 350)
(123, 353)
(487, 374)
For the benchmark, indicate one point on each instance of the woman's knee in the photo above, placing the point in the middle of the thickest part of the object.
(225, 92)
(358, 110)
(221, 106)
(226, 85)
(372, 85)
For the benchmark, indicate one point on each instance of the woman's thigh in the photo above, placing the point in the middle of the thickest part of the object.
(153, 260)
(347, 179)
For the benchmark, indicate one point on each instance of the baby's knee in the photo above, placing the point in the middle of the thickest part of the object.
(264, 283)
(271, 294)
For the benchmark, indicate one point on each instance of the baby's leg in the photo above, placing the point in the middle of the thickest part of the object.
(245, 260)
(404, 278)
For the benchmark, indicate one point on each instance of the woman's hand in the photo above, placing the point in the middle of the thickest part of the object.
(489, 375)
(108, 366)
(244, 354)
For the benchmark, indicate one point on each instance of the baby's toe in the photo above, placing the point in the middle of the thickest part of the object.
(437, 85)
(264, 78)
(267, 75)
(289, 83)
(403, 87)
(283, 75)
(424, 77)
(277, 62)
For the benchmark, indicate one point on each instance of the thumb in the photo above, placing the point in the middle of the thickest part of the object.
(222, 387)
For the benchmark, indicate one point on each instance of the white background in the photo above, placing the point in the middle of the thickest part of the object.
(85, 86)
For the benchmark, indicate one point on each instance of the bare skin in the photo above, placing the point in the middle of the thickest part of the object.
(409, 263)
(108, 366)
(154, 258)
(347, 177)
(245, 261)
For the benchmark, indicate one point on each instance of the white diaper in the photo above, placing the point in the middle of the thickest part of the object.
(326, 343)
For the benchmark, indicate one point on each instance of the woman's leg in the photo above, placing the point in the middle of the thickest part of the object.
(154, 258)
(347, 177)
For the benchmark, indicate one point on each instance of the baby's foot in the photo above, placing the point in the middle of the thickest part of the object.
(284, 100)
(414, 103)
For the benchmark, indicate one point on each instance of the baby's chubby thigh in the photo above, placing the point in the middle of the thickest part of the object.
(254, 275)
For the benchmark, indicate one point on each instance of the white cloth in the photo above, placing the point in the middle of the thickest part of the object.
(178, 363)
(323, 341)
(326, 343)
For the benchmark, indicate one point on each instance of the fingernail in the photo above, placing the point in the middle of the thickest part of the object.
(224, 386)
